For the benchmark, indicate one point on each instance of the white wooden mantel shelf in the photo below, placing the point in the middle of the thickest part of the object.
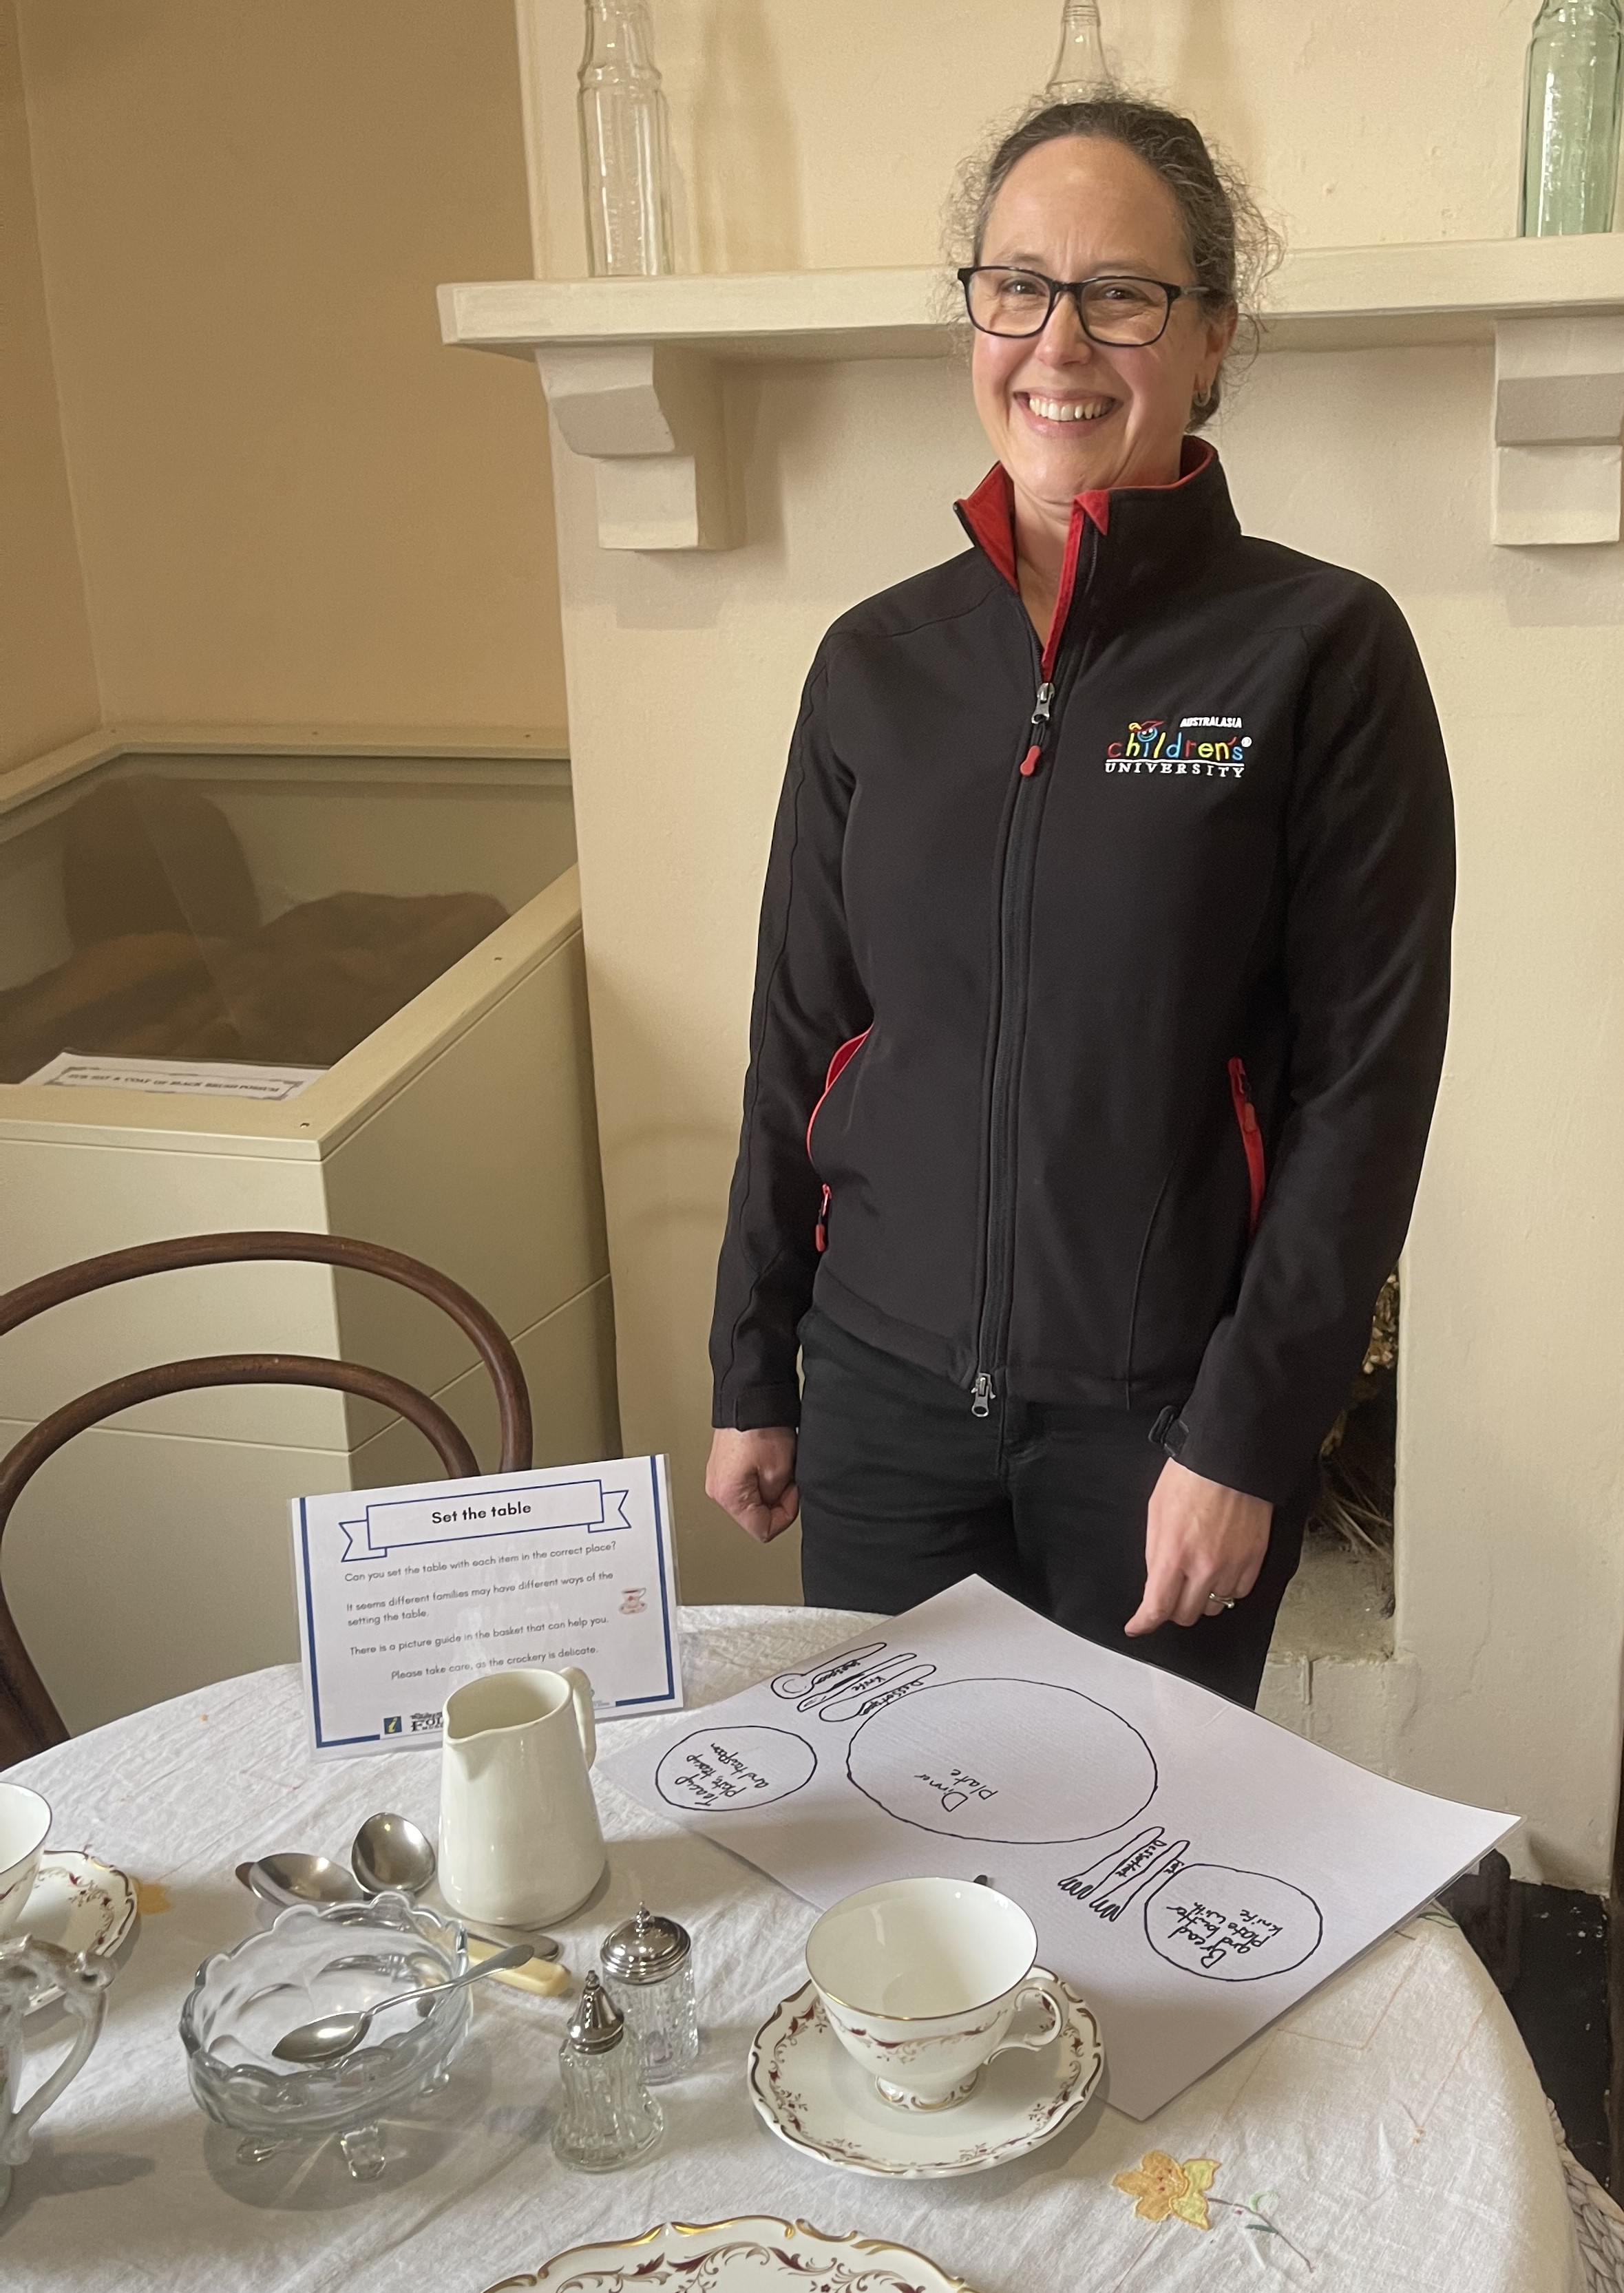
(629, 365)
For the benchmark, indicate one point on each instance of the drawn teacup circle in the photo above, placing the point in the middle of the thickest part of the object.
(717, 1770)
(1060, 1768)
(1227, 1925)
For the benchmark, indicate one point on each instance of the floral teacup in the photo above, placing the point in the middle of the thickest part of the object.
(920, 1979)
(25, 1819)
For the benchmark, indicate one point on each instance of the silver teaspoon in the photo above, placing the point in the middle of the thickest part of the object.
(324, 2040)
(289, 1878)
(390, 1850)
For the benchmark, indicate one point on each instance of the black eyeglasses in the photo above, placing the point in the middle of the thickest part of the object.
(1121, 313)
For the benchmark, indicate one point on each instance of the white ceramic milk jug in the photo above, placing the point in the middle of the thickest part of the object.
(519, 1836)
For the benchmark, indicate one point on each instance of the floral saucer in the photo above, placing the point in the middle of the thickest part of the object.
(814, 2097)
(755, 2252)
(79, 1905)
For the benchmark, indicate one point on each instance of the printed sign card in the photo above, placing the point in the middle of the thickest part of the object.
(1192, 1869)
(179, 1078)
(404, 1593)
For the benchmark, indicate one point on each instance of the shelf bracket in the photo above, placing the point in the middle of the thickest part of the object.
(1558, 416)
(650, 420)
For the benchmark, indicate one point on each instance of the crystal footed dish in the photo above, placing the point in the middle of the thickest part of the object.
(310, 1962)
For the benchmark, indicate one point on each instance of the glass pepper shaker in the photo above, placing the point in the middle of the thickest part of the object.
(608, 2117)
(648, 1963)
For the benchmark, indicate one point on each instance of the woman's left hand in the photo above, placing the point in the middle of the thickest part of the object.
(1204, 1545)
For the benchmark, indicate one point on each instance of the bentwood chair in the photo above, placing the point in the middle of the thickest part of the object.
(29, 1720)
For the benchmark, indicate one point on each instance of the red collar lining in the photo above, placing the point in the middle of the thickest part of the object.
(989, 513)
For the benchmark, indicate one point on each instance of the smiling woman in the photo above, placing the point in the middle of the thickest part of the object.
(1110, 259)
(1102, 982)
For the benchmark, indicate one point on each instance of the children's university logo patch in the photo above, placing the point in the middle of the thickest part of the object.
(1195, 748)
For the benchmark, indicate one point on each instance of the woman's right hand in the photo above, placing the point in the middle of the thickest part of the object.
(751, 1475)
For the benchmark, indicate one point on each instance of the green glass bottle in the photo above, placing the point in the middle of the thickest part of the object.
(1571, 113)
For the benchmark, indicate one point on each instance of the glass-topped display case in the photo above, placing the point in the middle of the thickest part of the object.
(340, 992)
(268, 909)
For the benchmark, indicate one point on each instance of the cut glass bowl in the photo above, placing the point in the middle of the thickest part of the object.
(310, 1962)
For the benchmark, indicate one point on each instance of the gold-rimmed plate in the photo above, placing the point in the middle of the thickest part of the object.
(756, 2252)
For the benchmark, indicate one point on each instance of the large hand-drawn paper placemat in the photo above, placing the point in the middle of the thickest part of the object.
(1193, 1869)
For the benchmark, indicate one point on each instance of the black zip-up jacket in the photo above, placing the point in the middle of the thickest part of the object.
(1101, 989)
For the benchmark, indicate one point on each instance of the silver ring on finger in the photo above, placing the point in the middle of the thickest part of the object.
(1217, 1603)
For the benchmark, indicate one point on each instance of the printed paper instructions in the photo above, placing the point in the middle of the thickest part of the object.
(404, 1593)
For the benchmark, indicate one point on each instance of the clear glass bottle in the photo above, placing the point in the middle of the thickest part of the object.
(648, 1967)
(1571, 113)
(1079, 69)
(607, 2116)
(625, 155)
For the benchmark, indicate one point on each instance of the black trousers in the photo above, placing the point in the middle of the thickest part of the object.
(903, 1493)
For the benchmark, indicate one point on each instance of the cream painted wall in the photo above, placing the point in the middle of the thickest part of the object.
(292, 506)
(811, 137)
(47, 675)
(1510, 1617)
(684, 673)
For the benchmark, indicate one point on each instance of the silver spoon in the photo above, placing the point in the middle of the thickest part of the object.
(284, 1880)
(289, 1878)
(324, 2040)
(390, 1850)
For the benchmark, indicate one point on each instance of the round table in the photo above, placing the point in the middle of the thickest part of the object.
(1390, 2134)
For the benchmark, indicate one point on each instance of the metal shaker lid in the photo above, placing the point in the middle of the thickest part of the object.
(598, 2023)
(646, 1948)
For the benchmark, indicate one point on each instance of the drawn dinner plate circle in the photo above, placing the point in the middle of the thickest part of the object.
(1232, 1926)
(1062, 1767)
(716, 1771)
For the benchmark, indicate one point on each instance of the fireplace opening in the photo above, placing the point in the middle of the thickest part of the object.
(1340, 1601)
(1358, 1461)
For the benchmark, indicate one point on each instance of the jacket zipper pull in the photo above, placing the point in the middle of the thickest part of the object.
(1241, 1091)
(1040, 727)
(982, 1394)
(821, 1232)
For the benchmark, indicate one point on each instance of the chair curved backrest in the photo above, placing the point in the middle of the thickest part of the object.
(29, 1720)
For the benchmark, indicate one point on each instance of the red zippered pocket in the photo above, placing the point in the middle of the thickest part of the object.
(1252, 1142)
(837, 1066)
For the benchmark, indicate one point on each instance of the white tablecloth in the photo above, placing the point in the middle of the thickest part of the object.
(1390, 2135)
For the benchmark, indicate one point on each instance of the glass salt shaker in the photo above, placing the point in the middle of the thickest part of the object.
(608, 2117)
(648, 1963)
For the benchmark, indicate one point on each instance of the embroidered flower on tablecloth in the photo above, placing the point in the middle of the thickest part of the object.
(1160, 2185)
